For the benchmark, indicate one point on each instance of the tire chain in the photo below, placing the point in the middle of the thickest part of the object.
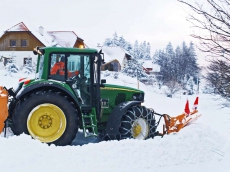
(149, 117)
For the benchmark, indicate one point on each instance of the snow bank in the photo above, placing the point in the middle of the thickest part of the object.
(202, 146)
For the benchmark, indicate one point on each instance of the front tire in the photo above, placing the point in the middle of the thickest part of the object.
(47, 116)
(138, 122)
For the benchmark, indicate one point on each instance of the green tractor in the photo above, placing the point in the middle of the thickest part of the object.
(55, 105)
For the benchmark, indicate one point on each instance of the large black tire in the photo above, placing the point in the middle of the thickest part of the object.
(38, 108)
(137, 122)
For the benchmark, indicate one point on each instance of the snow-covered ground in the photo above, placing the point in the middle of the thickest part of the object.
(202, 146)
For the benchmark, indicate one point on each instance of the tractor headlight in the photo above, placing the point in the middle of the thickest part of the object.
(138, 97)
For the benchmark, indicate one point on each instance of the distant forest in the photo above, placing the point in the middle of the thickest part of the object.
(177, 66)
(140, 51)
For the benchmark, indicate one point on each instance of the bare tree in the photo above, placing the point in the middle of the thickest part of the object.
(213, 21)
(172, 87)
(220, 77)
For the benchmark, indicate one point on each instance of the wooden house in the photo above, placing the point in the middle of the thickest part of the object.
(19, 38)
(113, 65)
(150, 68)
(115, 58)
(19, 42)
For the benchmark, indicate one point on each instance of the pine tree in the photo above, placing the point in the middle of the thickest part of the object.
(148, 51)
(185, 63)
(134, 69)
(142, 50)
(108, 42)
(178, 66)
(190, 84)
(122, 42)
(115, 40)
(193, 67)
(136, 50)
(129, 48)
(170, 55)
(161, 59)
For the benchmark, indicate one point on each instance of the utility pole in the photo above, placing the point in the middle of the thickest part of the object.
(137, 80)
(197, 83)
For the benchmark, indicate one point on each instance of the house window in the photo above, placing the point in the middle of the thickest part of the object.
(12, 43)
(23, 43)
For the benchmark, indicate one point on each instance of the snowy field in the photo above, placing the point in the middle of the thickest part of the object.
(203, 146)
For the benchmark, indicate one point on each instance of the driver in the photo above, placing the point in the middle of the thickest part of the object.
(59, 68)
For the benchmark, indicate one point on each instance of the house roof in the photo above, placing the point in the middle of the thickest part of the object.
(112, 53)
(149, 64)
(18, 27)
(63, 38)
(48, 38)
(109, 62)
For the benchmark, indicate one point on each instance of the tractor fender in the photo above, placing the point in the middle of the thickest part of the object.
(46, 85)
(115, 116)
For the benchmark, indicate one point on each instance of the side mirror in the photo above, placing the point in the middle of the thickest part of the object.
(37, 50)
(103, 81)
(102, 59)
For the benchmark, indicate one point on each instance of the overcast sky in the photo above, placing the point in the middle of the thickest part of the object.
(154, 21)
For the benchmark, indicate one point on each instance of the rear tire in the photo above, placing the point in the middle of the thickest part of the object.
(138, 122)
(47, 116)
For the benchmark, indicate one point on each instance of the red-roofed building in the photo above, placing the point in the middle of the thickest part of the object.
(20, 40)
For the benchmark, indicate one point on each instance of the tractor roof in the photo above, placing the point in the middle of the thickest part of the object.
(69, 50)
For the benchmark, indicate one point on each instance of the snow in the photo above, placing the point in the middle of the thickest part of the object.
(45, 38)
(63, 38)
(112, 53)
(202, 146)
(18, 57)
(149, 64)
(18, 27)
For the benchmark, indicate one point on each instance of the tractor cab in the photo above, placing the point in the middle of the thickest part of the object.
(78, 68)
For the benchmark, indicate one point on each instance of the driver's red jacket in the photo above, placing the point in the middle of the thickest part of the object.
(59, 69)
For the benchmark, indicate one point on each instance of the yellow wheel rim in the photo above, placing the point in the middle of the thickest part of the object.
(140, 129)
(46, 122)
(136, 130)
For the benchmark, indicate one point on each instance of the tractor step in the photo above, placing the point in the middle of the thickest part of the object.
(90, 135)
(89, 122)
(88, 116)
(90, 126)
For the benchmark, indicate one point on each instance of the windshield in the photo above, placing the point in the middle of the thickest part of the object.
(75, 70)
(40, 67)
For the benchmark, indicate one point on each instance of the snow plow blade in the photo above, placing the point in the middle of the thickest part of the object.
(175, 124)
(3, 107)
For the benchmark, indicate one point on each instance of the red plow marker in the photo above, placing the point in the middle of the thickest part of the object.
(175, 124)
